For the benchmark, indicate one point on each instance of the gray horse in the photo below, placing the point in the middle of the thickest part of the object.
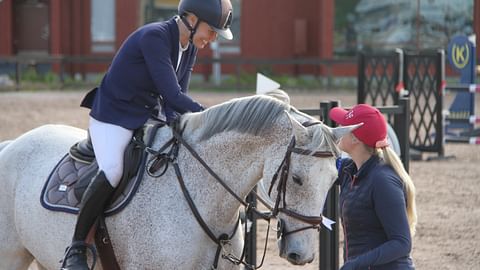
(242, 141)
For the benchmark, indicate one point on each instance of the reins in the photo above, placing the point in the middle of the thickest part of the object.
(161, 159)
(223, 238)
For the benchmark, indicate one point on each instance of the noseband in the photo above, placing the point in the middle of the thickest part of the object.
(161, 159)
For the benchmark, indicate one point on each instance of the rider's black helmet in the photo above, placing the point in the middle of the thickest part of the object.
(217, 13)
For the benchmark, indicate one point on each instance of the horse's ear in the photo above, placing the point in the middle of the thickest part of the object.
(280, 95)
(339, 132)
(298, 129)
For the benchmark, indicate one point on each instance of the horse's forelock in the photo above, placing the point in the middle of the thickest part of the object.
(250, 115)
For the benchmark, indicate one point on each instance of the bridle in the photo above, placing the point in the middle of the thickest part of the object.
(282, 175)
(283, 171)
(161, 160)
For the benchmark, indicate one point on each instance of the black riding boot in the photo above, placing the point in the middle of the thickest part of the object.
(92, 205)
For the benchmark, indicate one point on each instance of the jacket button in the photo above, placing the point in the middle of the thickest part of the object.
(153, 95)
(147, 107)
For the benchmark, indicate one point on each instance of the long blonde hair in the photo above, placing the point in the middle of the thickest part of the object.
(392, 159)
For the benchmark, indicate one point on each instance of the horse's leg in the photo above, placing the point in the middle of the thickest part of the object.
(36, 266)
(13, 255)
(15, 259)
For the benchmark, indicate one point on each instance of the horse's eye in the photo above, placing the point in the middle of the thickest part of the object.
(297, 180)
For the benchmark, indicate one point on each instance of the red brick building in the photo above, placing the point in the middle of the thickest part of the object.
(96, 28)
(64, 27)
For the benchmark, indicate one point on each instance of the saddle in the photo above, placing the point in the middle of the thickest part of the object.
(66, 184)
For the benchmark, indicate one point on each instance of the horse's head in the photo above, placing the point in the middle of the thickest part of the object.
(249, 138)
(297, 190)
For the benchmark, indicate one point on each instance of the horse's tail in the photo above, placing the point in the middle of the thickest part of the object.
(4, 144)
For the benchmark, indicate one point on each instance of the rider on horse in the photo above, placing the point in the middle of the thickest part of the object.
(151, 70)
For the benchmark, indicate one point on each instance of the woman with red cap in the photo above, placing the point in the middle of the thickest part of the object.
(377, 198)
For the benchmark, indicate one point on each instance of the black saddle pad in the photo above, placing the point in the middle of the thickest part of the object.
(69, 179)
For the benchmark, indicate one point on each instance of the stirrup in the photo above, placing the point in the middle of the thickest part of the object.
(77, 244)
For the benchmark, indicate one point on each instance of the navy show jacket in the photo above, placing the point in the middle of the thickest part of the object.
(143, 70)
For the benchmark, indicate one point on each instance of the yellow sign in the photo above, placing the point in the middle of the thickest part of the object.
(460, 55)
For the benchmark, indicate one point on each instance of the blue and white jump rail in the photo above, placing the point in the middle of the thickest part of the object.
(470, 88)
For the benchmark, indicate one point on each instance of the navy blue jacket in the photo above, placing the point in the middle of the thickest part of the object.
(142, 70)
(374, 217)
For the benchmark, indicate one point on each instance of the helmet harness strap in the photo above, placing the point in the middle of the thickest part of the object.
(192, 30)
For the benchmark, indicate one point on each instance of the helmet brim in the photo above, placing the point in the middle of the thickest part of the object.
(225, 33)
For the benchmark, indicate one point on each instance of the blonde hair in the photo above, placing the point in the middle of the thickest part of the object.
(392, 159)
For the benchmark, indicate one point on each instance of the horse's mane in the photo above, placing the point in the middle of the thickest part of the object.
(252, 115)
(246, 115)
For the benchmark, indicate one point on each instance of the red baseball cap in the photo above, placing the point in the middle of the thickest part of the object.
(373, 132)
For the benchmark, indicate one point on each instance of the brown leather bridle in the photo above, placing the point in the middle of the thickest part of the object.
(283, 171)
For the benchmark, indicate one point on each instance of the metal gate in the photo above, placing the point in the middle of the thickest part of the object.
(424, 77)
(383, 77)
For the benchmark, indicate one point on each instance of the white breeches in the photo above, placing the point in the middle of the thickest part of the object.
(109, 143)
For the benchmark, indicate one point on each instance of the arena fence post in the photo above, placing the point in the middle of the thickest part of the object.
(361, 91)
(17, 75)
(440, 80)
(329, 249)
(251, 234)
(401, 127)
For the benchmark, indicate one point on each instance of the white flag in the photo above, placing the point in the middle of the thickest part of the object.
(265, 84)
(327, 223)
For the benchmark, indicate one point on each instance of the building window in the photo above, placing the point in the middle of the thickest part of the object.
(102, 26)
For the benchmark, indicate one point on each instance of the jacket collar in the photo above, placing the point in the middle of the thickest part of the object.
(175, 39)
(367, 166)
(351, 169)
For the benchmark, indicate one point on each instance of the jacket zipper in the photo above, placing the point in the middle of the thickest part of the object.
(343, 223)
(345, 234)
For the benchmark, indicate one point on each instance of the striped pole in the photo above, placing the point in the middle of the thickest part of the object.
(472, 119)
(469, 140)
(472, 88)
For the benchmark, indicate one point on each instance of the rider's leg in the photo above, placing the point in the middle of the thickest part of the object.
(109, 143)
